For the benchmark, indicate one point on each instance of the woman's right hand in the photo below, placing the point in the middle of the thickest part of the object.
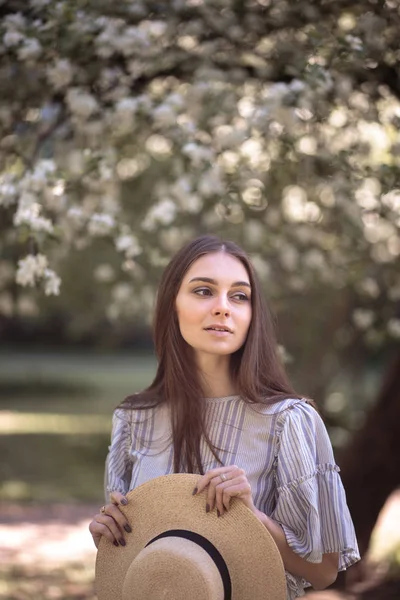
(110, 522)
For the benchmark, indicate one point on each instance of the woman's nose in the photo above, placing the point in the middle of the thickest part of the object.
(221, 306)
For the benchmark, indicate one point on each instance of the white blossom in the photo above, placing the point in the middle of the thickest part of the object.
(192, 203)
(100, 224)
(128, 105)
(12, 38)
(128, 244)
(392, 200)
(125, 111)
(14, 21)
(76, 214)
(363, 318)
(163, 212)
(31, 217)
(155, 29)
(187, 199)
(393, 328)
(122, 292)
(52, 283)
(284, 354)
(354, 42)
(370, 287)
(132, 40)
(30, 50)
(81, 103)
(164, 115)
(198, 154)
(297, 86)
(104, 273)
(31, 268)
(176, 101)
(37, 179)
(60, 74)
(211, 183)
(8, 193)
(228, 137)
(39, 3)
(314, 259)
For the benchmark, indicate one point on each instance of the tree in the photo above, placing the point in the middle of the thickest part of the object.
(145, 123)
(141, 125)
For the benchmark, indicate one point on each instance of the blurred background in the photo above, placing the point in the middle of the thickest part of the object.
(127, 129)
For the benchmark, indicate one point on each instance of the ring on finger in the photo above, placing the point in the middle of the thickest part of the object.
(223, 477)
(103, 510)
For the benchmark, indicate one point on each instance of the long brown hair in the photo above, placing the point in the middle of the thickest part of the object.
(256, 369)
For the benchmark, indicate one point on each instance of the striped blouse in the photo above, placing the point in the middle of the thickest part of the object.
(286, 454)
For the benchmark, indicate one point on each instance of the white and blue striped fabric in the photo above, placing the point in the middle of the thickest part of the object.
(286, 454)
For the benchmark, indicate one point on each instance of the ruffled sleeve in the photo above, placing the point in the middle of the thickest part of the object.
(119, 462)
(311, 502)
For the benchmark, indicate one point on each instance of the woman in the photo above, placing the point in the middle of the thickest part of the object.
(221, 406)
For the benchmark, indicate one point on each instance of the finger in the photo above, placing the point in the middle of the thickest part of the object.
(205, 479)
(211, 493)
(114, 527)
(220, 482)
(222, 490)
(215, 490)
(234, 491)
(102, 525)
(114, 511)
(118, 498)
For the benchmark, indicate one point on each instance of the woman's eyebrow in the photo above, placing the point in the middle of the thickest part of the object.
(214, 282)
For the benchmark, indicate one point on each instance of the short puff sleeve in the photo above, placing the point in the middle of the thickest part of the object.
(119, 462)
(311, 502)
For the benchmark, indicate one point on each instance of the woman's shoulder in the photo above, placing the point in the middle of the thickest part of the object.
(282, 406)
(137, 408)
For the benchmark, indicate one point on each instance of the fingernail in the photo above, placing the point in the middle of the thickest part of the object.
(124, 501)
(195, 491)
(127, 529)
(207, 508)
(115, 543)
(218, 513)
(122, 542)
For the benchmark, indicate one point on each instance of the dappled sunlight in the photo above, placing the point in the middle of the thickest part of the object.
(47, 536)
(46, 552)
(50, 544)
(385, 539)
(17, 423)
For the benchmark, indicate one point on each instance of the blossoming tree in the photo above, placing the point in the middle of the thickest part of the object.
(140, 124)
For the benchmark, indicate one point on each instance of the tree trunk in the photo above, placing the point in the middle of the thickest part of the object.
(370, 464)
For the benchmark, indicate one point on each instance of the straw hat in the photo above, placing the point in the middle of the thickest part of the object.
(178, 551)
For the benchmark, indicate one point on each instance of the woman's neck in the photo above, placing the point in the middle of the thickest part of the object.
(215, 376)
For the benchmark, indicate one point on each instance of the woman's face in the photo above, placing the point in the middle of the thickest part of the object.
(214, 304)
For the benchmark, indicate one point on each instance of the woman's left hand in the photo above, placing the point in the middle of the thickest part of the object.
(224, 483)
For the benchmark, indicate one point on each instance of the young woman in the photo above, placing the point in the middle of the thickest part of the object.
(221, 406)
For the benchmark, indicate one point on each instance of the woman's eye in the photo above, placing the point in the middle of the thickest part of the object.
(241, 297)
(202, 292)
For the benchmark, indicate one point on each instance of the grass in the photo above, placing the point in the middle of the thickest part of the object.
(55, 421)
(73, 581)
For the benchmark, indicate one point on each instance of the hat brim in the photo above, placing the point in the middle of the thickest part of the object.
(166, 503)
